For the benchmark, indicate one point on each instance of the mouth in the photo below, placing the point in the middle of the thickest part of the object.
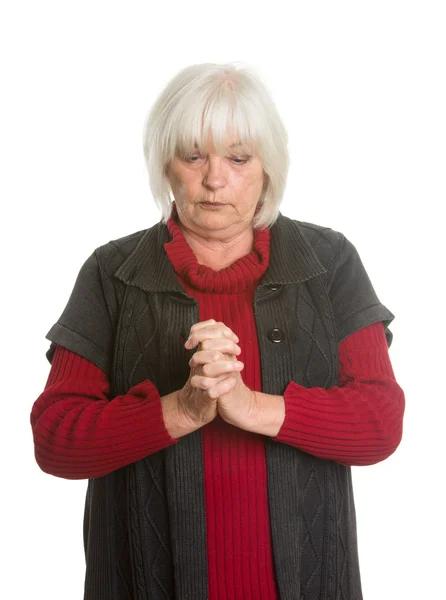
(212, 204)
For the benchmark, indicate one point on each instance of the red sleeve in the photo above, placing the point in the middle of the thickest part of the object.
(80, 434)
(358, 422)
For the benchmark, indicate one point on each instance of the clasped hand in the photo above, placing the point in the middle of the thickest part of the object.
(215, 385)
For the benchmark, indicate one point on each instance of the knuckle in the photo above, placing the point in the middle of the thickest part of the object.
(212, 393)
(230, 382)
(205, 370)
(207, 383)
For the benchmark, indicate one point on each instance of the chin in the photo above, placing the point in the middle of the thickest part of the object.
(213, 222)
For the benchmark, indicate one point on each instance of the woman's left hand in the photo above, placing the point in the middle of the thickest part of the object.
(253, 411)
(239, 406)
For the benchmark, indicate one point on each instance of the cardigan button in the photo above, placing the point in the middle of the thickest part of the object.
(275, 335)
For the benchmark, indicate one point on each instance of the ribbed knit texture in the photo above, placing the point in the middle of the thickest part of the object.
(240, 562)
(80, 433)
(358, 423)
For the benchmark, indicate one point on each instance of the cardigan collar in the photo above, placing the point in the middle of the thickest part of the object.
(292, 259)
(242, 274)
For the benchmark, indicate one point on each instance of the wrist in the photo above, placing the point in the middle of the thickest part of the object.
(270, 414)
(177, 426)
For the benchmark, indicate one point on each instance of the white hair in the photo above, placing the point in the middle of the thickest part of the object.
(209, 101)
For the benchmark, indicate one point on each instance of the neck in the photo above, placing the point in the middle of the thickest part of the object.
(219, 253)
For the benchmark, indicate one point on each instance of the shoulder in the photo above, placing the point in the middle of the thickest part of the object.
(325, 241)
(320, 235)
(114, 253)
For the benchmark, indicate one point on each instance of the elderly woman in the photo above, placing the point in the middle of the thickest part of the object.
(216, 375)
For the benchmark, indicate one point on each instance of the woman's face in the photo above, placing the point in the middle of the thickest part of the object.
(216, 195)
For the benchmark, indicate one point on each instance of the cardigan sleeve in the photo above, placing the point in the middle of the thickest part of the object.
(358, 422)
(79, 433)
(85, 326)
(353, 299)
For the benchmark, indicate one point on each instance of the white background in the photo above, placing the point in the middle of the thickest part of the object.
(361, 88)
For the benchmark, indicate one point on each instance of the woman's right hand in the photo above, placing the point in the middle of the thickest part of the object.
(211, 368)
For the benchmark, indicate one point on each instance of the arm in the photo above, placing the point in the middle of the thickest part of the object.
(358, 422)
(79, 433)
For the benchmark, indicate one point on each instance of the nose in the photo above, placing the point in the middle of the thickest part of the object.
(214, 174)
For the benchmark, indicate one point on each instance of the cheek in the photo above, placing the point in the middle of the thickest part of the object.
(189, 190)
(253, 183)
(182, 185)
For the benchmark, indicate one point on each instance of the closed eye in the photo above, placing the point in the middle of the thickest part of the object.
(193, 157)
(239, 160)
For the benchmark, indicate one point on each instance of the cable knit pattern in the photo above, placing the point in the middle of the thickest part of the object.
(357, 423)
(240, 562)
(80, 433)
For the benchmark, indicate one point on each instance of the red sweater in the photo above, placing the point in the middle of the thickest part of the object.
(80, 433)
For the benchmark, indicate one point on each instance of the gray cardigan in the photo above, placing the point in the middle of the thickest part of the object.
(144, 526)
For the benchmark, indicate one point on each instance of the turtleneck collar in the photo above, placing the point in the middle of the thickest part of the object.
(236, 278)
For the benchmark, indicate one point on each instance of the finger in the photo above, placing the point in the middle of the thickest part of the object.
(222, 345)
(214, 373)
(202, 357)
(196, 327)
(219, 330)
(208, 323)
(205, 383)
(215, 369)
(214, 332)
(202, 324)
(221, 388)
